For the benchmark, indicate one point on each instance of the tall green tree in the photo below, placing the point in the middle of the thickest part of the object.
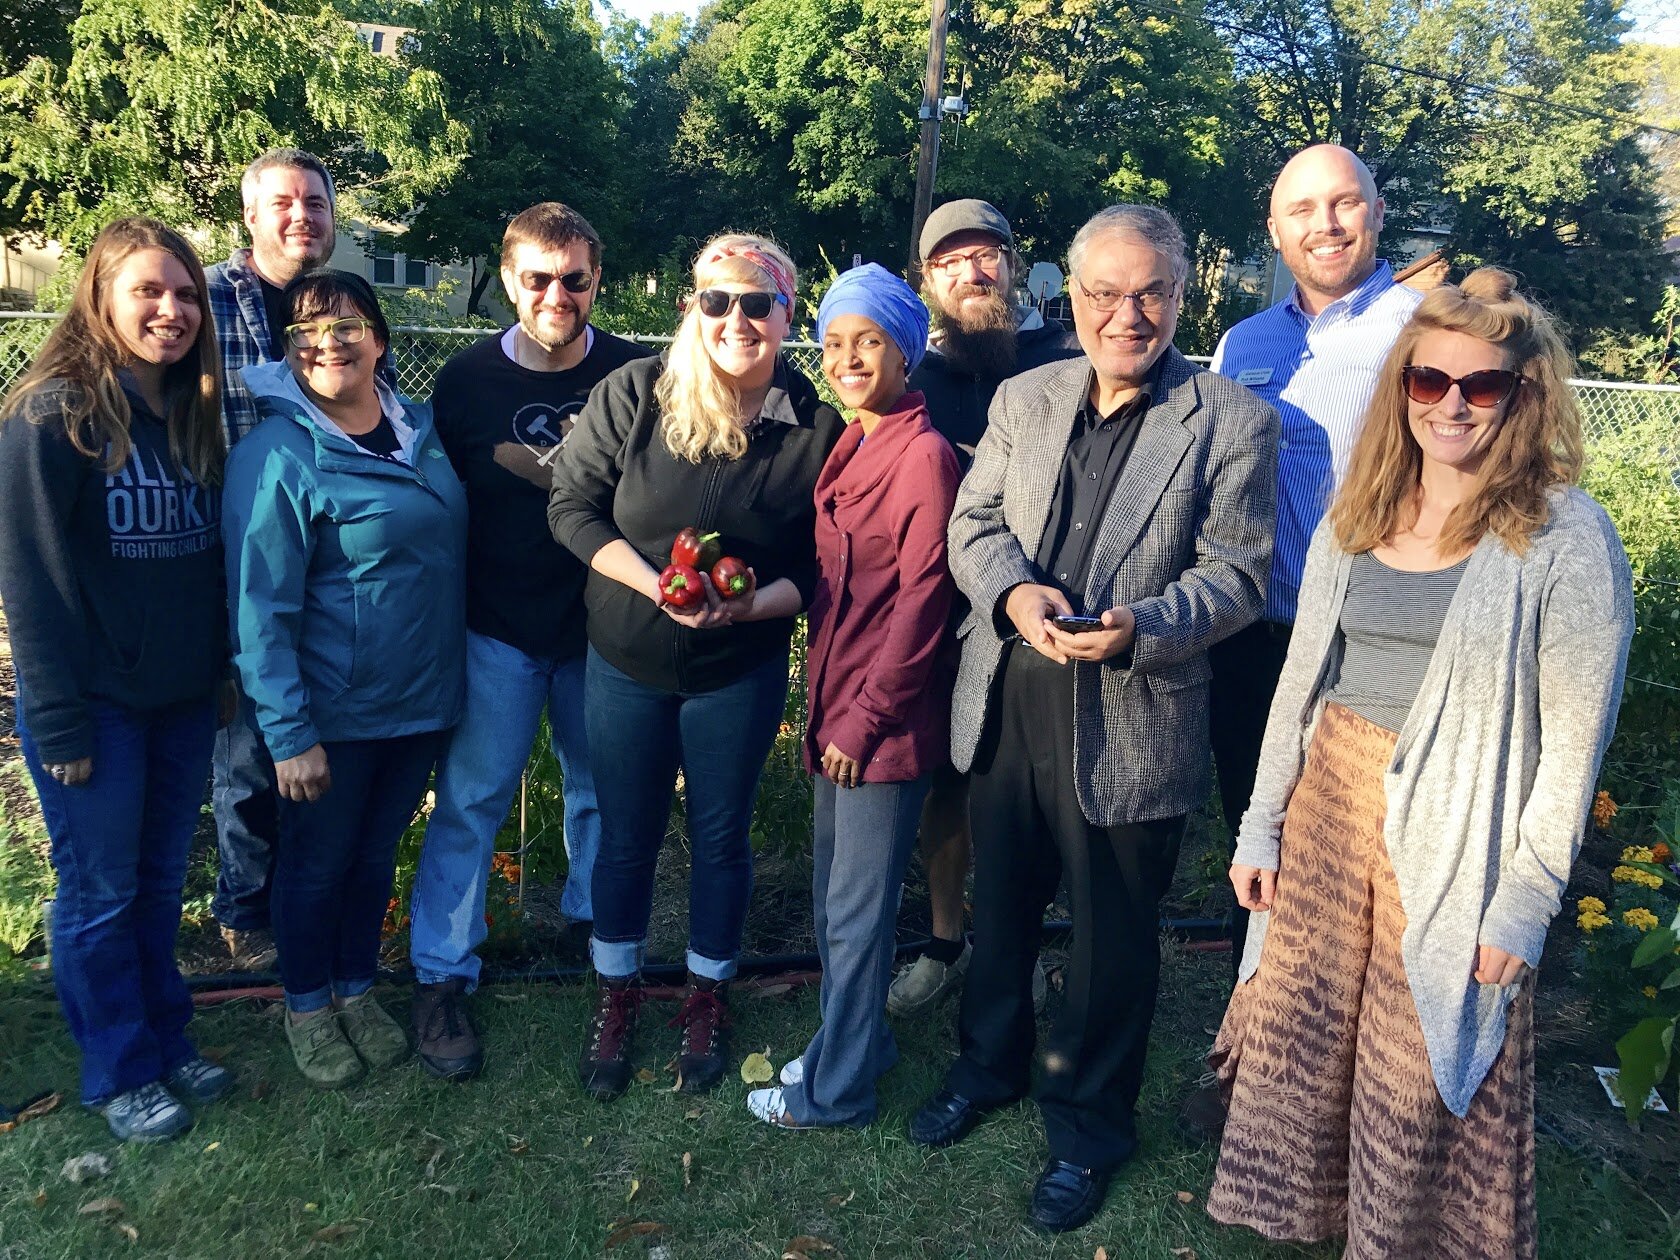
(1514, 121)
(161, 103)
(528, 80)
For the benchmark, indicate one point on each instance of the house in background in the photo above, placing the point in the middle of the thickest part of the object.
(25, 268)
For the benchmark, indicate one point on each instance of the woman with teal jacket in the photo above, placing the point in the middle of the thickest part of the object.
(345, 530)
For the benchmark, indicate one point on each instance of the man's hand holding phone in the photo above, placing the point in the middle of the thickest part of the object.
(1091, 638)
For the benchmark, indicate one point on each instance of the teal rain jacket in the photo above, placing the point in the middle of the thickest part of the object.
(346, 574)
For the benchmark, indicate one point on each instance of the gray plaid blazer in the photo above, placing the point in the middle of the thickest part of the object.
(1185, 542)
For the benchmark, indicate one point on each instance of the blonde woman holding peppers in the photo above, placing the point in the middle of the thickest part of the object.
(723, 437)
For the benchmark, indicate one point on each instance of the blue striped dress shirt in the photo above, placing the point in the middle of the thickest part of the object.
(1319, 372)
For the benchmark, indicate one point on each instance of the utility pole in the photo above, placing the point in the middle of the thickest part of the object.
(927, 160)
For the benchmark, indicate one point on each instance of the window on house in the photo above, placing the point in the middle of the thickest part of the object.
(378, 41)
(415, 273)
(384, 261)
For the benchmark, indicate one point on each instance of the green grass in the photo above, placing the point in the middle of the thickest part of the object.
(521, 1162)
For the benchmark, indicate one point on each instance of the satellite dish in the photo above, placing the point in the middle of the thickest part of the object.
(1044, 281)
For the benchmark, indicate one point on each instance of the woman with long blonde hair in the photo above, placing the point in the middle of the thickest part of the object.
(110, 571)
(689, 669)
(1423, 788)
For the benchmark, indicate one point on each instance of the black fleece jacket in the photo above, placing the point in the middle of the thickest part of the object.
(616, 479)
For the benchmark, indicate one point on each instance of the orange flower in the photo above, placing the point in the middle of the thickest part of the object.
(1660, 852)
(1604, 809)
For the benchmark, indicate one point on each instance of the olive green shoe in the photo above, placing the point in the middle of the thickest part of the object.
(322, 1054)
(378, 1038)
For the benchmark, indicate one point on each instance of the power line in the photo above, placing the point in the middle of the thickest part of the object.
(1287, 42)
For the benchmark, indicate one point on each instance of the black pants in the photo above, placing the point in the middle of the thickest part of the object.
(1245, 674)
(1029, 831)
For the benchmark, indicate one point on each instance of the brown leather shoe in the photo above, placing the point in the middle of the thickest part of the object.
(1203, 1116)
(444, 1036)
(250, 951)
(605, 1064)
(704, 1019)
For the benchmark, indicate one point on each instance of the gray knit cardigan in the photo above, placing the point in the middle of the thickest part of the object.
(1494, 770)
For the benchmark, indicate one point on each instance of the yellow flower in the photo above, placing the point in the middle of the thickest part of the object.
(1603, 809)
(1649, 990)
(1590, 921)
(1590, 905)
(1633, 875)
(1639, 917)
(1638, 853)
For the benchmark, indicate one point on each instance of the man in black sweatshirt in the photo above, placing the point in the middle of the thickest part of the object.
(980, 338)
(503, 408)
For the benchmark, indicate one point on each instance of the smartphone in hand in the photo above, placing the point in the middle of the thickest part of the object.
(1077, 625)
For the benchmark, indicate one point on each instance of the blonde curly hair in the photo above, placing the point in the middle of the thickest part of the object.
(700, 407)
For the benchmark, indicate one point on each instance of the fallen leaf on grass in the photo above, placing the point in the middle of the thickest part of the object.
(1184, 1196)
(40, 1199)
(588, 1141)
(635, 1187)
(756, 1069)
(805, 1246)
(775, 990)
(688, 1169)
(1184, 1253)
(1101, 1254)
(82, 1168)
(128, 1231)
(259, 1091)
(37, 1109)
(635, 1229)
(512, 997)
(519, 1146)
(334, 1233)
(213, 1146)
(311, 1207)
(840, 1200)
(103, 1207)
(216, 1053)
(693, 1113)
(645, 1076)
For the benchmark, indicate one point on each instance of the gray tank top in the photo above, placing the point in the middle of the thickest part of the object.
(1390, 622)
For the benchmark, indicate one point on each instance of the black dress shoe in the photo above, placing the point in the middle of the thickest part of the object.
(1066, 1196)
(945, 1119)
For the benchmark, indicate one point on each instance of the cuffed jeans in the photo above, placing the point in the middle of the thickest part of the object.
(119, 844)
(862, 840)
(476, 781)
(246, 805)
(332, 876)
(638, 737)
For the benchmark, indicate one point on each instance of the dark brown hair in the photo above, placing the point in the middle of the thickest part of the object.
(550, 225)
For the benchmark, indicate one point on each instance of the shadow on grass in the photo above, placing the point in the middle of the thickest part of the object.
(521, 1162)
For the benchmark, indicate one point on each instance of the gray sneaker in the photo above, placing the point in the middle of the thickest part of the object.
(200, 1081)
(925, 983)
(147, 1114)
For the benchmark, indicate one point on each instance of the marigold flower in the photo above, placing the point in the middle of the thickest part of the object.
(1590, 905)
(1649, 990)
(1638, 853)
(1660, 852)
(1633, 875)
(1591, 921)
(1639, 917)
(1603, 809)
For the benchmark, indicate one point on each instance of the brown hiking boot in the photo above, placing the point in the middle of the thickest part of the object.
(704, 1019)
(250, 951)
(605, 1064)
(444, 1036)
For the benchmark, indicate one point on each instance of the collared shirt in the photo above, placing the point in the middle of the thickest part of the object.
(1319, 372)
(1097, 451)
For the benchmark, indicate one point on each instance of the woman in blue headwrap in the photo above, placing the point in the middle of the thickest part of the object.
(880, 697)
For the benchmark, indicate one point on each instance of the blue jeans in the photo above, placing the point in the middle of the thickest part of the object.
(246, 805)
(638, 737)
(476, 781)
(332, 876)
(119, 844)
(861, 844)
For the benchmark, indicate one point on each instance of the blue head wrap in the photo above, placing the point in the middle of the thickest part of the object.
(875, 293)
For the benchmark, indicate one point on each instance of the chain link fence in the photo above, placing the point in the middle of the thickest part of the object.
(1607, 407)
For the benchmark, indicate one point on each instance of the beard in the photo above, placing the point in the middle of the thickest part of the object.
(535, 331)
(979, 337)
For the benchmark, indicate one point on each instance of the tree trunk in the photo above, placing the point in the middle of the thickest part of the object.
(480, 282)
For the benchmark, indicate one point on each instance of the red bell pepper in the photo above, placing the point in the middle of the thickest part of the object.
(731, 577)
(680, 586)
(697, 550)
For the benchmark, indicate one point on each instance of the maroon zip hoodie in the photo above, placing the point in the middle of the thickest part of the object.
(879, 687)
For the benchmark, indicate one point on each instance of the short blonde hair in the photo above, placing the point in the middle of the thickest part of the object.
(700, 407)
(1538, 445)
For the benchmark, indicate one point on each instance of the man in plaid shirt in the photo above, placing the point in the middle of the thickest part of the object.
(288, 204)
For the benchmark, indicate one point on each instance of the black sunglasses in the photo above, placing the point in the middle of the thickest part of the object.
(1487, 388)
(579, 281)
(755, 304)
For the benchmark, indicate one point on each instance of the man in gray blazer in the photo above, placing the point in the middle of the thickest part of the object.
(1116, 523)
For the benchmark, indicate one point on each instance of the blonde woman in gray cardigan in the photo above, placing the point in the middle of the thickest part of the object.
(1423, 788)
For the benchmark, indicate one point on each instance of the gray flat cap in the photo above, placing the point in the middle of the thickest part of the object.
(968, 215)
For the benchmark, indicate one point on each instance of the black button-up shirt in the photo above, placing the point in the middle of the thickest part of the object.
(1096, 455)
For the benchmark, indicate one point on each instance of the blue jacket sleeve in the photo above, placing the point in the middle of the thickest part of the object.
(269, 540)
